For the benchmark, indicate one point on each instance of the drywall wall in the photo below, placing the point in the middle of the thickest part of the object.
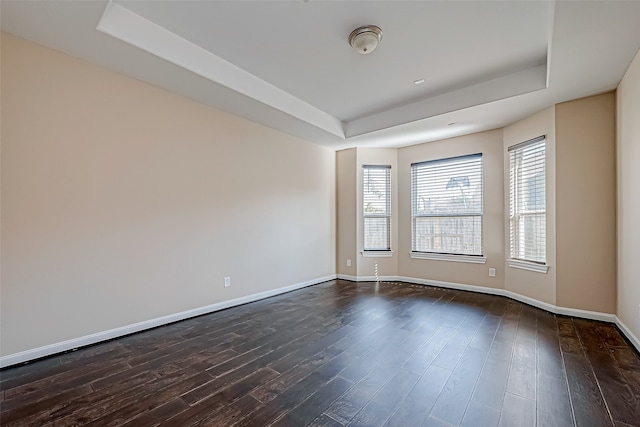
(350, 239)
(628, 203)
(490, 145)
(346, 180)
(122, 202)
(586, 203)
(540, 286)
(386, 266)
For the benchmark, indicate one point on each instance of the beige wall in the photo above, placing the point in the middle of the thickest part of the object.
(387, 266)
(628, 183)
(539, 286)
(490, 145)
(346, 213)
(586, 204)
(350, 239)
(122, 202)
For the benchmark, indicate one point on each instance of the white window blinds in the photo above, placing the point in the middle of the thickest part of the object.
(527, 201)
(376, 197)
(446, 199)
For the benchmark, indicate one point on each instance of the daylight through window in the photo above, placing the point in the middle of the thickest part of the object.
(376, 196)
(446, 199)
(527, 201)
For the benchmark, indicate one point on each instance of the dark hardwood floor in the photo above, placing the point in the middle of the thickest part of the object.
(341, 353)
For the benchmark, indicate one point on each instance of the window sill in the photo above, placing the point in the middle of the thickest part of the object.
(447, 257)
(377, 254)
(527, 265)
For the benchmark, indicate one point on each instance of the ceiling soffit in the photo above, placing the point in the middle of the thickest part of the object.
(505, 80)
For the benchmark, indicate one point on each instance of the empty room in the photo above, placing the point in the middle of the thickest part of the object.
(320, 213)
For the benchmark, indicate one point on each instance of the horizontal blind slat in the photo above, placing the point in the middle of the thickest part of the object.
(376, 192)
(447, 205)
(527, 200)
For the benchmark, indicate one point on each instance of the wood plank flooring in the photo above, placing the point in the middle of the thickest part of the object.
(338, 354)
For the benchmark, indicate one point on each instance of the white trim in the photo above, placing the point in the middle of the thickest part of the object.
(377, 254)
(449, 257)
(379, 279)
(531, 301)
(122, 24)
(25, 356)
(634, 340)
(367, 278)
(566, 311)
(528, 265)
(451, 285)
(59, 347)
(586, 314)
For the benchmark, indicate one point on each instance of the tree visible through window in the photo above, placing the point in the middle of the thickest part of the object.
(446, 198)
(376, 196)
(527, 201)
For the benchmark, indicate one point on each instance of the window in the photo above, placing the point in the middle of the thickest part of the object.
(527, 201)
(376, 198)
(446, 200)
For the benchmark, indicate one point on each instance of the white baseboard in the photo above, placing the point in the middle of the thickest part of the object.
(48, 350)
(630, 336)
(367, 278)
(566, 311)
(585, 314)
(347, 277)
(451, 285)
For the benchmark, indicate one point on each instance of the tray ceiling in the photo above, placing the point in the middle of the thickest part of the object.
(288, 64)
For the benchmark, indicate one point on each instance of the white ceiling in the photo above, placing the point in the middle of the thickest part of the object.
(288, 65)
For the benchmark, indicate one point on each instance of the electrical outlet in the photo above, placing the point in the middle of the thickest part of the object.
(227, 282)
(492, 272)
(348, 263)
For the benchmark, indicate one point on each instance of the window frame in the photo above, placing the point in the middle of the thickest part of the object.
(446, 256)
(518, 259)
(382, 252)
